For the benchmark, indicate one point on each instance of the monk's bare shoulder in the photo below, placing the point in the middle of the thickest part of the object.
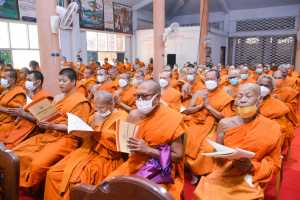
(226, 88)
(134, 116)
(199, 93)
(58, 97)
(230, 122)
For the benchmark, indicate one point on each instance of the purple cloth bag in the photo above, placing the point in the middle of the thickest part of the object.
(158, 171)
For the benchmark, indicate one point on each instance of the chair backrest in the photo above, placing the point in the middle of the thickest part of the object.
(125, 187)
(9, 173)
(184, 143)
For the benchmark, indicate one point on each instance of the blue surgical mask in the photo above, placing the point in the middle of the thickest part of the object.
(200, 69)
(184, 69)
(244, 76)
(234, 81)
(139, 81)
(259, 71)
(207, 70)
(220, 69)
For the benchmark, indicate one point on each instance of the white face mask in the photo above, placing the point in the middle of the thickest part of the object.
(264, 91)
(4, 83)
(163, 83)
(184, 69)
(78, 63)
(105, 114)
(29, 85)
(62, 62)
(30, 68)
(139, 81)
(100, 78)
(211, 84)
(145, 106)
(125, 62)
(190, 77)
(175, 67)
(122, 83)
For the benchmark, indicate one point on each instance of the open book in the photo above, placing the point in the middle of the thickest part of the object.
(43, 110)
(124, 131)
(228, 153)
(79, 128)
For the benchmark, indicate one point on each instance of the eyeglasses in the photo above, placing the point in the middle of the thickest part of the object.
(143, 96)
(235, 77)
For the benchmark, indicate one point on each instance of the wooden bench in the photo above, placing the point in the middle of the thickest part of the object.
(125, 187)
(9, 174)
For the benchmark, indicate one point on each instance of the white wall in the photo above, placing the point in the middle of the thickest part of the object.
(127, 53)
(220, 41)
(66, 44)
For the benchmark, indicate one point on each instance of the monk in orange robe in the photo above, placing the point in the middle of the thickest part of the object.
(289, 81)
(124, 97)
(80, 87)
(206, 108)
(189, 89)
(102, 76)
(10, 99)
(247, 133)
(93, 66)
(25, 125)
(174, 83)
(169, 96)
(259, 72)
(23, 73)
(34, 66)
(233, 77)
(221, 69)
(275, 109)
(290, 98)
(95, 160)
(146, 71)
(38, 153)
(291, 72)
(106, 64)
(2, 67)
(127, 65)
(80, 70)
(175, 72)
(245, 76)
(150, 67)
(64, 63)
(89, 79)
(113, 73)
(18, 72)
(159, 121)
(120, 66)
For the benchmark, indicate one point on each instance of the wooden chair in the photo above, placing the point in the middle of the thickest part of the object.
(125, 187)
(184, 142)
(279, 179)
(9, 173)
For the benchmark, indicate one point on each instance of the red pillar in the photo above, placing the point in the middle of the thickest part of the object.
(159, 29)
(48, 44)
(204, 29)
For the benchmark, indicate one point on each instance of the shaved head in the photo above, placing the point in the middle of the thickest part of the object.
(278, 73)
(251, 87)
(103, 94)
(193, 70)
(233, 73)
(168, 73)
(126, 75)
(167, 68)
(244, 70)
(25, 69)
(152, 85)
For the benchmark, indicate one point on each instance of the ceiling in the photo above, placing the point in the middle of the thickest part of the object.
(193, 6)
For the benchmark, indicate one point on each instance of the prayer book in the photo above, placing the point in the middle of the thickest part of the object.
(79, 128)
(228, 153)
(182, 109)
(124, 131)
(43, 110)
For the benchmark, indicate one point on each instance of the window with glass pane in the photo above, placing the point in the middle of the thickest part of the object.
(109, 55)
(33, 37)
(5, 56)
(102, 42)
(92, 55)
(111, 42)
(91, 41)
(18, 35)
(120, 43)
(21, 58)
(4, 36)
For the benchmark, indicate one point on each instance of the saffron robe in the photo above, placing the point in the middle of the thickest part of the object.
(175, 74)
(291, 82)
(67, 63)
(81, 69)
(290, 98)
(24, 129)
(116, 83)
(223, 72)
(204, 125)
(90, 164)
(248, 80)
(223, 83)
(150, 67)
(266, 162)
(163, 126)
(128, 67)
(176, 85)
(107, 66)
(233, 93)
(90, 81)
(38, 153)
(82, 89)
(295, 74)
(256, 76)
(121, 67)
(141, 64)
(11, 99)
(173, 98)
(127, 98)
(276, 110)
